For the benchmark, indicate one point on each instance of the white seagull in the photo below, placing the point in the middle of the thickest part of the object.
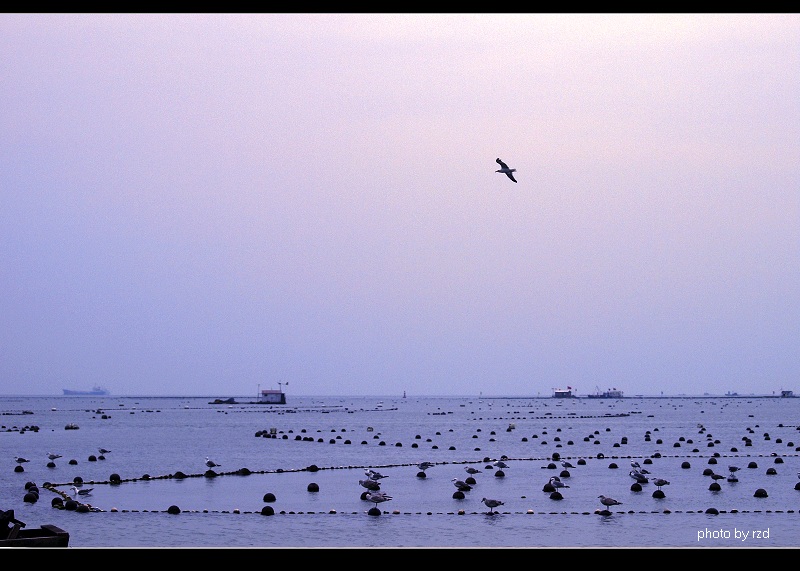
(491, 504)
(557, 483)
(373, 475)
(82, 492)
(471, 470)
(377, 497)
(507, 171)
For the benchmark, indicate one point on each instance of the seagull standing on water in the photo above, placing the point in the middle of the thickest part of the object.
(507, 171)
(491, 504)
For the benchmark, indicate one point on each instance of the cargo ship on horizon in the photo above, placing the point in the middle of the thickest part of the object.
(96, 391)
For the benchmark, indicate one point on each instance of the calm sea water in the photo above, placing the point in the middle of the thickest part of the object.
(311, 453)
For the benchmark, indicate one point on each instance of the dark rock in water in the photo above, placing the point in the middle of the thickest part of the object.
(269, 497)
(244, 472)
(210, 474)
(267, 510)
(173, 509)
(180, 475)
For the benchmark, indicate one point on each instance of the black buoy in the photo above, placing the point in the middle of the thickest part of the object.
(82, 508)
(714, 487)
(613, 466)
(269, 497)
(313, 487)
(210, 474)
(556, 496)
(92, 458)
(374, 511)
(686, 465)
(499, 474)
(18, 468)
(421, 474)
(57, 502)
(712, 511)
(760, 493)
(77, 480)
(31, 497)
(51, 464)
(636, 487)
(458, 495)
(115, 479)
(173, 509)
(267, 510)
(659, 494)
(70, 505)
(548, 487)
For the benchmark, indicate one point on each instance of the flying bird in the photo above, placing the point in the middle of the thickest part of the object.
(491, 504)
(507, 171)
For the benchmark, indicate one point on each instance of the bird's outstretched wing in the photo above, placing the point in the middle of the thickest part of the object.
(511, 176)
(502, 164)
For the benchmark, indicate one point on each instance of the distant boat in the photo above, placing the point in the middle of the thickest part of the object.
(96, 391)
(607, 394)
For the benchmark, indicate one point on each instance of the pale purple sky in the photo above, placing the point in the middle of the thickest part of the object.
(206, 204)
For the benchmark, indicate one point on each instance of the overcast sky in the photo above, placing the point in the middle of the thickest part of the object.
(209, 204)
